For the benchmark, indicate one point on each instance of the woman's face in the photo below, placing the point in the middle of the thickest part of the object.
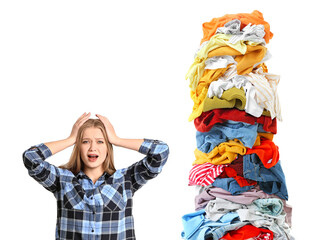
(93, 148)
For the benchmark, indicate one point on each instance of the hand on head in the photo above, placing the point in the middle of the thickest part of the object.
(112, 136)
(84, 117)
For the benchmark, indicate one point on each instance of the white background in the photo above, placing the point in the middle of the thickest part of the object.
(127, 60)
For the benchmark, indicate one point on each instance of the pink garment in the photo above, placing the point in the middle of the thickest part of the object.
(204, 174)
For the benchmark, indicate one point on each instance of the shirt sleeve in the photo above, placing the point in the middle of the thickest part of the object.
(151, 165)
(43, 172)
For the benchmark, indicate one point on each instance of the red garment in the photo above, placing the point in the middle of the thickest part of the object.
(204, 174)
(255, 18)
(267, 152)
(206, 120)
(249, 231)
(235, 170)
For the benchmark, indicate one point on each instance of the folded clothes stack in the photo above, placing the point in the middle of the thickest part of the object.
(241, 186)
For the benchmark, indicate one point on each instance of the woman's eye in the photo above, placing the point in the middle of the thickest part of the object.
(84, 141)
(100, 142)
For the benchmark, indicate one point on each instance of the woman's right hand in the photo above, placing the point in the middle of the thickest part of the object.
(84, 117)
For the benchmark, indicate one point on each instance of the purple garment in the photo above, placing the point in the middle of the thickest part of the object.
(246, 198)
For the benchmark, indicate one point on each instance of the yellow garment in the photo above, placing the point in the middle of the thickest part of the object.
(253, 55)
(201, 91)
(198, 103)
(230, 98)
(268, 136)
(224, 153)
(219, 40)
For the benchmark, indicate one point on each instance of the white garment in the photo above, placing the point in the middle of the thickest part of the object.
(217, 62)
(260, 89)
(231, 27)
(231, 79)
(254, 33)
(266, 86)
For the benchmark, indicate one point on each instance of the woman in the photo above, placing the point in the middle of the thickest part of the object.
(94, 200)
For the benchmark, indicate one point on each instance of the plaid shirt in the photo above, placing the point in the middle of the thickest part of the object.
(95, 211)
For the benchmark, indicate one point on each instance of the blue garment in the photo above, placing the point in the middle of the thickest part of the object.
(100, 210)
(230, 185)
(191, 223)
(269, 206)
(197, 227)
(223, 132)
(270, 180)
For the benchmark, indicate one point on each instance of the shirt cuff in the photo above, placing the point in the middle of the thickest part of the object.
(42, 150)
(146, 146)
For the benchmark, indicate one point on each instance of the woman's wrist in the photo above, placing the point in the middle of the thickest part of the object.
(133, 144)
(70, 140)
(116, 141)
(57, 146)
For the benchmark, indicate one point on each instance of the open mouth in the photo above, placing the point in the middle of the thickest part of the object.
(92, 157)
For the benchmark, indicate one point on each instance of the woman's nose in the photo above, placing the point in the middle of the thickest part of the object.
(92, 146)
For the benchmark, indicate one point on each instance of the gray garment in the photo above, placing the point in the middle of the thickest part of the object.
(215, 209)
(268, 213)
(211, 193)
(232, 27)
(253, 33)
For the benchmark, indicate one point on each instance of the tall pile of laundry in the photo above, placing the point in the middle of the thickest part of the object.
(240, 184)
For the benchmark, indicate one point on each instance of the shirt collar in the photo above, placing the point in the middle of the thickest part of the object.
(82, 175)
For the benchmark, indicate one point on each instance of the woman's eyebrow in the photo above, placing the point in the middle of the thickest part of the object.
(94, 138)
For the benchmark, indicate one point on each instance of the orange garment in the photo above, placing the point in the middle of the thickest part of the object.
(224, 153)
(260, 135)
(253, 55)
(267, 152)
(255, 18)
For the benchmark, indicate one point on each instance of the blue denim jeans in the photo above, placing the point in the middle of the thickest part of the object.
(222, 132)
(230, 185)
(271, 181)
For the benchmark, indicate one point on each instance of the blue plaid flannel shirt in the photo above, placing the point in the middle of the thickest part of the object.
(95, 211)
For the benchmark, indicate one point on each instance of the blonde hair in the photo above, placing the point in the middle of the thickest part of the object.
(75, 163)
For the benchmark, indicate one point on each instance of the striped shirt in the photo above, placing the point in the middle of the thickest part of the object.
(204, 174)
(100, 210)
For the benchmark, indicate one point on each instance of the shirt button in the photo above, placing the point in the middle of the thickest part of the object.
(92, 230)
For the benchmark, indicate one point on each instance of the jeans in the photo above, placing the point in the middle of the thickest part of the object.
(270, 180)
(230, 185)
(229, 130)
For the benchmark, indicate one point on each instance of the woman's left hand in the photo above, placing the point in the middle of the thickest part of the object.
(112, 136)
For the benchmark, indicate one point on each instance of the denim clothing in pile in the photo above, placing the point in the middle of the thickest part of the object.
(101, 210)
(270, 180)
(230, 185)
(222, 132)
